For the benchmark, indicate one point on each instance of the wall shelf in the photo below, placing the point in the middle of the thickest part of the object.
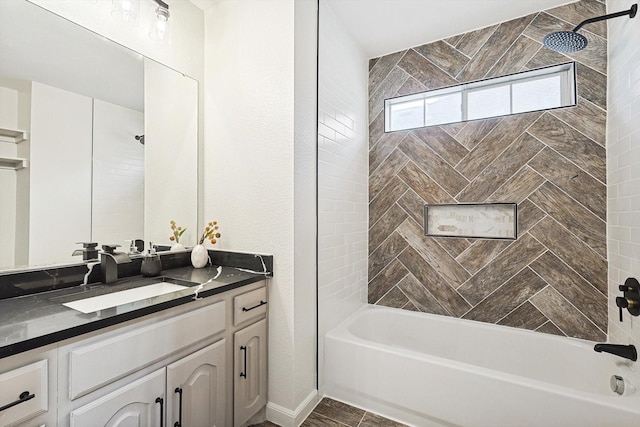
(13, 163)
(13, 135)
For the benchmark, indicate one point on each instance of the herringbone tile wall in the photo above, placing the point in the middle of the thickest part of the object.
(553, 278)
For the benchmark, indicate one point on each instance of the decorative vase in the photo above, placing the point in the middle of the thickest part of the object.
(176, 247)
(199, 256)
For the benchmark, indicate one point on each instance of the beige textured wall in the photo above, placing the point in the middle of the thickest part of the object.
(553, 278)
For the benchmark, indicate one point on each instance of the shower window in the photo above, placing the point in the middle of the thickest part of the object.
(534, 90)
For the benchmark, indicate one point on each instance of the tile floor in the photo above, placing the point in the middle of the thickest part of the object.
(331, 413)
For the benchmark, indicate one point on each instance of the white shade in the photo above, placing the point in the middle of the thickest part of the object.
(161, 27)
(126, 11)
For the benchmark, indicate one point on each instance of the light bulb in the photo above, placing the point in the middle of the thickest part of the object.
(161, 28)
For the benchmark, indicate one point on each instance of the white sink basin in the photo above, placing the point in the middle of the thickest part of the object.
(101, 302)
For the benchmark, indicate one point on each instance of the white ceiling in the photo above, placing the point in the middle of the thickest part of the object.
(205, 4)
(386, 26)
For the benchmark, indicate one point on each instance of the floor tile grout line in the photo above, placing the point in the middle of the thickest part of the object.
(328, 418)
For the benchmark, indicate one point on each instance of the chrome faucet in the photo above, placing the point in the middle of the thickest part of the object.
(109, 260)
(625, 351)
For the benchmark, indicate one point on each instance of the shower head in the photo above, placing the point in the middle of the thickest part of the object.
(565, 41)
(572, 41)
(140, 139)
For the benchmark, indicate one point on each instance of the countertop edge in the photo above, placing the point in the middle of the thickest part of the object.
(55, 337)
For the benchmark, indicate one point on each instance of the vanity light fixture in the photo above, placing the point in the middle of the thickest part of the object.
(161, 28)
(126, 11)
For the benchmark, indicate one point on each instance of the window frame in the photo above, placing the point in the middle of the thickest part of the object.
(568, 93)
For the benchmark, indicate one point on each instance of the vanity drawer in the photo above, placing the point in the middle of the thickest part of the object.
(250, 305)
(94, 365)
(18, 385)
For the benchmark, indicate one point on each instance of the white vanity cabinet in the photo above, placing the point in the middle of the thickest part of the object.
(194, 396)
(250, 355)
(200, 364)
(176, 368)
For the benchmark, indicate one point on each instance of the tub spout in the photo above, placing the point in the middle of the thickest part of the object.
(626, 351)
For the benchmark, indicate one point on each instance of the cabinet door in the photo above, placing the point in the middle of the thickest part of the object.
(197, 383)
(133, 405)
(250, 371)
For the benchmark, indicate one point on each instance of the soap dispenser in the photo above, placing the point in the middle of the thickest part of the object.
(151, 264)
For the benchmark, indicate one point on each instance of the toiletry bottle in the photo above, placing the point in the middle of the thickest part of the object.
(151, 264)
(132, 247)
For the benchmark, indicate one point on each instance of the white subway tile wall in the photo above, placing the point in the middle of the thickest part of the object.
(118, 174)
(342, 175)
(623, 167)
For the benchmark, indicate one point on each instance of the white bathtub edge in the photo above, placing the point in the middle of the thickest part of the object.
(348, 379)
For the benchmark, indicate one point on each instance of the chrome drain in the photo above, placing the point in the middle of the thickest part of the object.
(617, 384)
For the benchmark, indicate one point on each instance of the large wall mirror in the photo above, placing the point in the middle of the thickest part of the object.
(97, 142)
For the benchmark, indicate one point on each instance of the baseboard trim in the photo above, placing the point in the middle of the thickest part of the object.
(288, 418)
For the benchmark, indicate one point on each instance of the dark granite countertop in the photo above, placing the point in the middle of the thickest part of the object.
(39, 319)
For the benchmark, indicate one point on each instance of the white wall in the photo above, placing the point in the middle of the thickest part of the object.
(305, 196)
(171, 154)
(342, 176)
(259, 137)
(8, 106)
(117, 210)
(623, 167)
(8, 120)
(60, 195)
(8, 218)
(15, 113)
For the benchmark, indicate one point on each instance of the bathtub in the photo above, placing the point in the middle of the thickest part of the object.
(428, 370)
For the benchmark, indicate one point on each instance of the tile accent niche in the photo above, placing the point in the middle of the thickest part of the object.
(553, 278)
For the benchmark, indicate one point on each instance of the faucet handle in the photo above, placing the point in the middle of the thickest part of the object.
(88, 245)
(621, 302)
(110, 249)
(89, 250)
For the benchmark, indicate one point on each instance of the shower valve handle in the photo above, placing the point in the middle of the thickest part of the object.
(621, 302)
(631, 297)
